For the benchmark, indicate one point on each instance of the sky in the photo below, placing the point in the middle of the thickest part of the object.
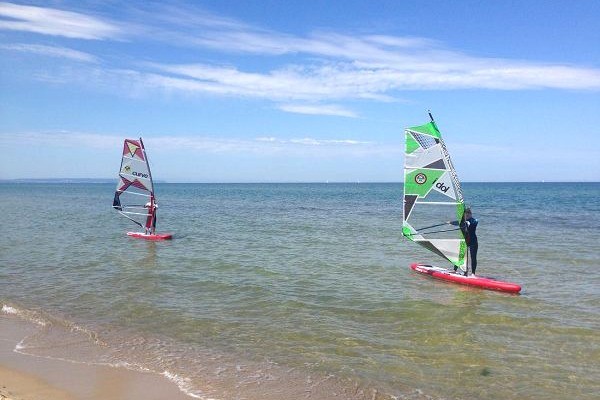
(299, 91)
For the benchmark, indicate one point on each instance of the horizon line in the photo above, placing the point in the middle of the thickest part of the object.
(162, 181)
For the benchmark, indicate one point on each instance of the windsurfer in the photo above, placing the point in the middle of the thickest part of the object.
(151, 219)
(469, 227)
(471, 237)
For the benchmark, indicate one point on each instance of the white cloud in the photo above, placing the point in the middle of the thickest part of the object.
(306, 146)
(61, 139)
(318, 109)
(292, 82)
(328, 66)
(381, 63)
(327, 142)
(51, 51)
(307, 141)
(344, 80)
(51, 21)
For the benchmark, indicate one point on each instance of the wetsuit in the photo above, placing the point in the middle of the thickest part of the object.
(471, 238)
(468, 228)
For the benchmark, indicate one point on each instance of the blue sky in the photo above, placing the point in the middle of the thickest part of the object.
(286, 91)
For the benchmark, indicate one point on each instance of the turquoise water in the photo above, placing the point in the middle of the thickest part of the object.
(303, 290)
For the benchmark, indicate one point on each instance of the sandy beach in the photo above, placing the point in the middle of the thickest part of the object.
(16, 385)
(25, 377)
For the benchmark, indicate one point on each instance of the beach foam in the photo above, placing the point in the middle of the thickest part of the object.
(28, 315)
(200, 374)
(185, 385)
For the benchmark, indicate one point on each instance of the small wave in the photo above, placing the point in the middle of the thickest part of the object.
(20, 346)
(185, 385)
(49, 321)
(31, 316)
(9, 309)
(59, 339)
(91, 334)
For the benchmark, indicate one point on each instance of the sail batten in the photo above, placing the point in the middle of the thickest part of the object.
(430, 179)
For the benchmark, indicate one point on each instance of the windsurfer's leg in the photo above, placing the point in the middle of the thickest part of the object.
(468, 261)
(149, 219)
(473, 250)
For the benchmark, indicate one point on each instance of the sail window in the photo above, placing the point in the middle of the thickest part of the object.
(424, 140)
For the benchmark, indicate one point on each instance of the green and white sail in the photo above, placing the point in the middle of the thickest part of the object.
(432, 195)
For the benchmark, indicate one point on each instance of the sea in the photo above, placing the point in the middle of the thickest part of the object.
(304, 291)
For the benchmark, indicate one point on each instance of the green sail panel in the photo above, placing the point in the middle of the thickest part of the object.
(411, 143)
(408, 231)
(427, 129)
(421, 181)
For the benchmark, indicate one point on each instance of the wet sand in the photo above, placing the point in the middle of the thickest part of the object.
(24, 377)
(15, 385)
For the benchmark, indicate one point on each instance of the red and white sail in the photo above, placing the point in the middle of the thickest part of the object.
(134, 196)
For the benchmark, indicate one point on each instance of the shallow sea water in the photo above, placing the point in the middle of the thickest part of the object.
(303, 290)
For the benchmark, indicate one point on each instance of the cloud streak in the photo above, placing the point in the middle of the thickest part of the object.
(322, 109)
(51, 51)
(380, 62)
(306, 90)
(305, 146)
(327, 67)
(361, 80)
(55, 22)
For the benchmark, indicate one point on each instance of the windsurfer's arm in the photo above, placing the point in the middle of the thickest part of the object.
(463, 225)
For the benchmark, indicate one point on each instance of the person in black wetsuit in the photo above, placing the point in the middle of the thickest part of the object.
(469, 227)
(471, 238)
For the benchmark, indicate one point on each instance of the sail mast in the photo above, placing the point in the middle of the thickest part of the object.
(147, 163)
